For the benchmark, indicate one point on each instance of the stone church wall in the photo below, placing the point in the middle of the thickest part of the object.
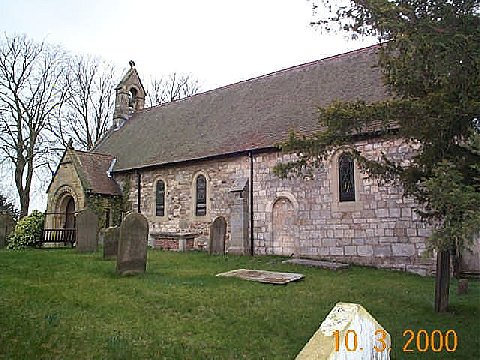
(380, 228)
(299, 216)
(179, 180)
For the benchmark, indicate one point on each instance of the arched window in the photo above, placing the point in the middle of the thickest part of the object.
(346, 178)
(201, 196)
(160, 198)
(132, 97)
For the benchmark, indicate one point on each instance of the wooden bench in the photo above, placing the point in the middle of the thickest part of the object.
(65, 236)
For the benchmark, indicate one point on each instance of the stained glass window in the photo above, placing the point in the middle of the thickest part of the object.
(201, 196)
(160, 198)
(346, 178)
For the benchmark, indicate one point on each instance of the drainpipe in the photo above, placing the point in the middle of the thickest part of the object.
(252, 249)
(139, 190)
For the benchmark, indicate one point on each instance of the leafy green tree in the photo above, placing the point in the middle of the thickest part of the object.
(28, 231)
(429, 52)
(453, 205)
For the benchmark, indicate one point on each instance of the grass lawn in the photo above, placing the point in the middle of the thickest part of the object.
(56, 304)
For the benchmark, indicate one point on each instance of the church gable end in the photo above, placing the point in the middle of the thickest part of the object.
(66, 185)
(81, 181)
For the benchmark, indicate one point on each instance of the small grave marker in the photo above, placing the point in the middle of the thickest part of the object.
(86, 224)
(111, 236)
(7, 225)
(218, 230)
(462, 286)
(132, 248)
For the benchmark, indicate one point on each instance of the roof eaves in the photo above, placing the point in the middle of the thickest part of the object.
(200, 158)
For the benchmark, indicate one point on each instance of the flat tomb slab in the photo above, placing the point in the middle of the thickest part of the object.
(264, 276)
(317, 263)
(173, 241)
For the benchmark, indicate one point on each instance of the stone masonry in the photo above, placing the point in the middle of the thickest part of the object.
(180, 191)
(66, 183)
(380, 228)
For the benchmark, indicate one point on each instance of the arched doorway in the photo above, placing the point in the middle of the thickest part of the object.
(69, 213)
(60, 223)
(283, 234)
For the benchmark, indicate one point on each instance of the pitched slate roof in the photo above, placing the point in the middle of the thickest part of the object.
(92, 169)
(252, 114)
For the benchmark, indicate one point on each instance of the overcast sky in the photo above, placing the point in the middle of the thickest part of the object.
(218, 42)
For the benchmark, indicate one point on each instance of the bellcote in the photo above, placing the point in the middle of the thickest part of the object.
(130, 96)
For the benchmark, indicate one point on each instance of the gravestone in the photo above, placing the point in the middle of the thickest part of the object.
(111, 236)
(7, 225)
(218, 230)
(462, 286)
(86, 224)
(239, 243)
(132, 248)
(348, 332)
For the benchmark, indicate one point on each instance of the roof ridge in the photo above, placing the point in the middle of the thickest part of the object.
(92, 153)
(293, 67)
(250, 114)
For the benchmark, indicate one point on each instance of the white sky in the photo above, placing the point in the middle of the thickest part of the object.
(218, 42)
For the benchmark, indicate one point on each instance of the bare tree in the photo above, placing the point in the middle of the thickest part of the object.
(89, 106)
(173, 87)
(31, 96)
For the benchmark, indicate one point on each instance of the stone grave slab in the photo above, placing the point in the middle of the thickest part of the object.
(132, 247)
(317, 263)
(86, 224)
(7, 225)
(335, 339)
(218, 229)
(263, 276)
(111, 237)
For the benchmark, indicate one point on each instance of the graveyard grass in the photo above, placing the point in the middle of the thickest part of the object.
(57, 304)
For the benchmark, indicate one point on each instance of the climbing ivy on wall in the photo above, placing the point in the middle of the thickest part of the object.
(100, 203)
(118, 205)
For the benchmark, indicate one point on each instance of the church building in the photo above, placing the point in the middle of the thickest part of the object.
(210, 157)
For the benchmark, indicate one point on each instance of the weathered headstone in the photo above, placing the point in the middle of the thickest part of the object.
(132, 248)
(462, 288)
(239, 243)
(86, 225)
(348, 332)
(7, 225)
(218, 230)
(111, 237)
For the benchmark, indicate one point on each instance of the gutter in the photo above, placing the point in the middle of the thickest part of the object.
(252, 248)
(194, 160)
(139, 191)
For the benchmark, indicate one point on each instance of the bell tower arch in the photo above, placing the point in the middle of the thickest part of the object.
(130, 96)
